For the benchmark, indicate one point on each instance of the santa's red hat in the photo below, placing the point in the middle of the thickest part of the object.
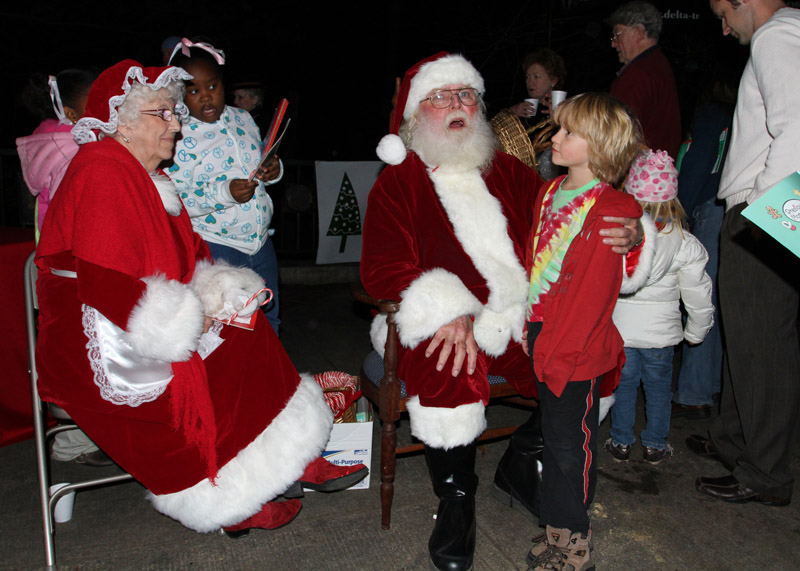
(110, 90)
(423, 77)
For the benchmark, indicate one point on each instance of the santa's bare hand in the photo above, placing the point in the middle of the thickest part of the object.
(456, 335)
(624, 237)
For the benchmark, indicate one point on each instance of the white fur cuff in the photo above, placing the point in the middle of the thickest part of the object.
(435, 298)
(261, 471)
(641, 272)
(166, 322)
(446, 427)
(493, 330)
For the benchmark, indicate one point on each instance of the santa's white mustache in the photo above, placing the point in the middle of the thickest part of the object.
(457, 115)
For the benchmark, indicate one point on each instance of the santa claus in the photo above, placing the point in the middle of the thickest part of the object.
(446, 231)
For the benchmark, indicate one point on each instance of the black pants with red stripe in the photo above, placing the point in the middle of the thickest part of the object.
(569, 463)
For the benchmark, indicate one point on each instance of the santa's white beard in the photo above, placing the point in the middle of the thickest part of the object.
(467, 148)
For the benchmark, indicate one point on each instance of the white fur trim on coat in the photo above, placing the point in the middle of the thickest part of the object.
(482, 230)
(261, 471)
(435, 298)
(221, 287)
(168, 193)
(605, 406)
(641, 272)
(166, 322)
(378, 331)
(446, 428)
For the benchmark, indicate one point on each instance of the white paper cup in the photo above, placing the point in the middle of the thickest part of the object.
(63, 510)
(556, 98)
(535, 103)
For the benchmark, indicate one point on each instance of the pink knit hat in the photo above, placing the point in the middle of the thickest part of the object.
(653, 177)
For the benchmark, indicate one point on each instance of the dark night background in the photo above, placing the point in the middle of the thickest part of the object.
(336, 63)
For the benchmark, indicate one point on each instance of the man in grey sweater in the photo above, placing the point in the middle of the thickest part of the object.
(758, 277)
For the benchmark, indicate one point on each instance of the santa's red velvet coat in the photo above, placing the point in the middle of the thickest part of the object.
(109, 224)
(451, 244)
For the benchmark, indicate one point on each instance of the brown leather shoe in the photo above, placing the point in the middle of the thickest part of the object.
(729, 489)
(691, 411)
(702, 446)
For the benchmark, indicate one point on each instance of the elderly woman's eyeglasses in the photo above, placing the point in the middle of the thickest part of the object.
(444, 97)
(163, 114)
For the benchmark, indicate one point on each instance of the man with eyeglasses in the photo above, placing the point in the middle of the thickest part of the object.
(646, 83)
(446, 231)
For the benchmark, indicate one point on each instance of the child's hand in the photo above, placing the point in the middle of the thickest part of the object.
(270, 171)
(242, 190)
(524, 341)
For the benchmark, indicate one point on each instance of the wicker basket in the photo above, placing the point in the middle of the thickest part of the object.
(341, 393)
(513, 137)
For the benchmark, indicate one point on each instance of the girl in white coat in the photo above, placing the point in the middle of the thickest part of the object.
(650, 320)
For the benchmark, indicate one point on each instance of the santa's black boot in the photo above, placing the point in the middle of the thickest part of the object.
(517, 481)
(452, 543)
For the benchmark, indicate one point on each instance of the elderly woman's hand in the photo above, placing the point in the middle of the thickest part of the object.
(242, 190)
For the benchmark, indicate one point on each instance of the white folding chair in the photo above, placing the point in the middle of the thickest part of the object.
(42, 434)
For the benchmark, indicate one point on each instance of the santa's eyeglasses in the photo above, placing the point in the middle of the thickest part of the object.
(444, 97)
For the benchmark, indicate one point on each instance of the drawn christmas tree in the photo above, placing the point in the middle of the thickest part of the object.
(346, 219)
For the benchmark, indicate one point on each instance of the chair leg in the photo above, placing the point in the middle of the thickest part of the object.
(44, 485)
(388, 460)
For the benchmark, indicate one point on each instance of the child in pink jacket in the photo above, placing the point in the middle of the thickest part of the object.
(58, 101)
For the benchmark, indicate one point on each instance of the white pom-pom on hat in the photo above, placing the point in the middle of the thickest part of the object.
(392, 150)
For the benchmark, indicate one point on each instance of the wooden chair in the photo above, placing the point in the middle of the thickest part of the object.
(382, 387)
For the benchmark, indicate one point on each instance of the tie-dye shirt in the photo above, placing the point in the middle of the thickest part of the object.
(207, 158)
(562, 217)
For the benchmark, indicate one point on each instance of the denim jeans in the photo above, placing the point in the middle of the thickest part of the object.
(654, 368)
(264, 263)
(701, 365)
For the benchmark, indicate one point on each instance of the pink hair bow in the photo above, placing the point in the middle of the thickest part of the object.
(185, 44)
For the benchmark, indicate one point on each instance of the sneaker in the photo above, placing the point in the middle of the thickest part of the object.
(562, 551)
(656, 455)
(620, 452)
(539, 545)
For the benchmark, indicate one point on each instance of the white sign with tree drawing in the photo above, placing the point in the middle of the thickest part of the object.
(342, 190)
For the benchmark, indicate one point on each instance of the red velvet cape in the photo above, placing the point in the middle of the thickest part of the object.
(108, 222)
